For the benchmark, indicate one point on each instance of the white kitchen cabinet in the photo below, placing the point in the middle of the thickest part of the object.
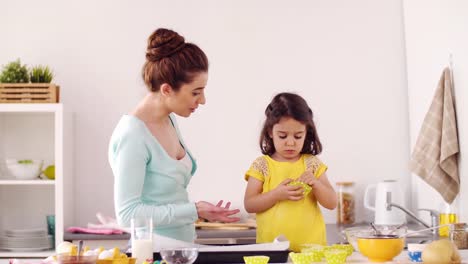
(35, 131)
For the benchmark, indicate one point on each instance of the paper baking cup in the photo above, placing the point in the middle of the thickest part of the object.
(256, 259)
(306, 257)
(335, 256)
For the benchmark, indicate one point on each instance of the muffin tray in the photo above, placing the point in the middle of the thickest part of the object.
(235, 256)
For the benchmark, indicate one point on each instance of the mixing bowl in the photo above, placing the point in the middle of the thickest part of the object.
(179, 255)
(353, 233)
(380, 248)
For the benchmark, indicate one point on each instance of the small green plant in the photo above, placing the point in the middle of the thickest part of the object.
(25, 161)
(14, 72)
(41, 74)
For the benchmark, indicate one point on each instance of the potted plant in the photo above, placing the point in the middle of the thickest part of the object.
(16, 88)
(14, 72)
(41, 74)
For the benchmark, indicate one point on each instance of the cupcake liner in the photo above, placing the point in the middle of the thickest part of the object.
(306, 257)
(335, 256)
(347, 247)
(305, 187)
(314, 248)
(256, 259)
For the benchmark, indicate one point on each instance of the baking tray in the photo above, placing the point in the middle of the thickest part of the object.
(225, 226)
(235, 256)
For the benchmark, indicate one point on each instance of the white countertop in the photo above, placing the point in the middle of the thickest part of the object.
(356, 257)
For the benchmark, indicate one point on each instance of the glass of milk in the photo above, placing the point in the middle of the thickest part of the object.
(142, 239)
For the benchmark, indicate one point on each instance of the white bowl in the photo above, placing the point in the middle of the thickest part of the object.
(26, 169)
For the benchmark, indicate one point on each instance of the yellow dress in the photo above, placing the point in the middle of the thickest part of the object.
(300, 221)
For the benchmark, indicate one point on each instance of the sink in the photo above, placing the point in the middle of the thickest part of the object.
(421, 239)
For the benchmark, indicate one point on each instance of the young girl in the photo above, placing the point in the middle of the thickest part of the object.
(290, 143)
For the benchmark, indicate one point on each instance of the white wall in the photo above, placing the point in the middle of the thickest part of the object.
(345, 57)
(434, 29)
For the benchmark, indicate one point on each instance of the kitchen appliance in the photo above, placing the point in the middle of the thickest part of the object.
(387, 191)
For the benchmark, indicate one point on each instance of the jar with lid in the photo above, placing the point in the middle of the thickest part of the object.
(458, 235)
(345, 208)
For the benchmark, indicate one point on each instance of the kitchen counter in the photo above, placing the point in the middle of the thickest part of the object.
(354, 258)
(205, 236)
(202, 234)
(226, 236)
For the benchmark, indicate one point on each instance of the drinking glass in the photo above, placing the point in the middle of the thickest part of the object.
(142, 239)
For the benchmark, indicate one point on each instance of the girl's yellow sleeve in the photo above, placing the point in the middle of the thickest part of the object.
(317, 166)
(257, 170)
(320, 170)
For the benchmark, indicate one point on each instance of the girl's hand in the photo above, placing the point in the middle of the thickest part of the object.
(308, 178)
(285, 192)
(216, 213)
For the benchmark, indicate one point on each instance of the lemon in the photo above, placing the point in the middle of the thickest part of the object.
(49, 172)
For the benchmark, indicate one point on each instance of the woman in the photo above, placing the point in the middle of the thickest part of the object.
(151, 163)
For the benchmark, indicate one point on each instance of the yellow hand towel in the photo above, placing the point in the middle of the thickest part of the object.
(435, 155)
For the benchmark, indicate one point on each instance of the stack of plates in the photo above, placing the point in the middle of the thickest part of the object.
(26, 240)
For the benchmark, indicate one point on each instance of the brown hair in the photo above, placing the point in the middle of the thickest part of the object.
(294, 106)
(169, 59)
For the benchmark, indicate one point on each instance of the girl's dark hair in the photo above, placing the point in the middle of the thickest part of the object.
(169, 59)
(294, 106)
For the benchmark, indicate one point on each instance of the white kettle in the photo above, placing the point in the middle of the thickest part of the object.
(388, 191)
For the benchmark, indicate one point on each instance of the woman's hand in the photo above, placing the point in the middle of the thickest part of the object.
(216, 213)
(285, 192)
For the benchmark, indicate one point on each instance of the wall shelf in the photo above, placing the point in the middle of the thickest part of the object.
(35, 131)
(27, 182)
(32, 254)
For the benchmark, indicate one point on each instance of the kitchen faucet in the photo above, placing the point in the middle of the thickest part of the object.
(434, 214)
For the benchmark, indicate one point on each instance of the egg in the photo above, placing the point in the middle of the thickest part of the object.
(64, 247)
(90, 253)
(106, 254)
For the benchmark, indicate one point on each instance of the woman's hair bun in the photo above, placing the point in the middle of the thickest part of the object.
(163, 43)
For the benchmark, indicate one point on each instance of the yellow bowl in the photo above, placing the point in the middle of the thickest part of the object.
(380, 249)
(256, 259)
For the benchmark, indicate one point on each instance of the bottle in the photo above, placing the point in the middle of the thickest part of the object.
(345, 208)
(458, 235)
(448, 215)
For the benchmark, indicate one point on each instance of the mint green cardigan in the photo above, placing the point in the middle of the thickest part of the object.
(148, 182)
